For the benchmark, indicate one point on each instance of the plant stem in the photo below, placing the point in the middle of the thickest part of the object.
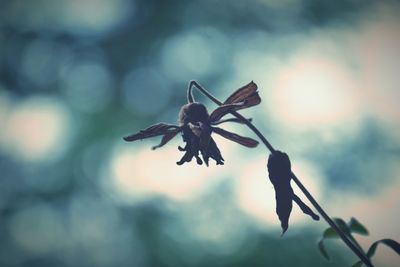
(326, 217)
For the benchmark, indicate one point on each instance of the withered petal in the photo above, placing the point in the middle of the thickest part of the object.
(221, 111)
(212, 151)
(236, 120)
(252, 100)
(154, 130)
(247, 94)
(166, 138)
(244, 141)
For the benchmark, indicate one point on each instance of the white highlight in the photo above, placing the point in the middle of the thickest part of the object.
(36, 129)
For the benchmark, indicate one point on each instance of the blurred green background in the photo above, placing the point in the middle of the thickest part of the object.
(76, 76)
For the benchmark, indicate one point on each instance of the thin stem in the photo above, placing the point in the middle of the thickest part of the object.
(326, 217)
(234, 113)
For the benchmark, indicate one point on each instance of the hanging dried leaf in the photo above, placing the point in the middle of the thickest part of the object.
(244, 141)
(280, 176)
(154, 130)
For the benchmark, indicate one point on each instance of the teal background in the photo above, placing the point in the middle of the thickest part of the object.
(77, 76)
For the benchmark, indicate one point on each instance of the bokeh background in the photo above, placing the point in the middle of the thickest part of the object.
(76, 76)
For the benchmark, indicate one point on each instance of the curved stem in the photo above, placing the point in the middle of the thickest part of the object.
(234, 113)
(326, 217)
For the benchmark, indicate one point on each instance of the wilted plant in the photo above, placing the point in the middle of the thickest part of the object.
(196, 127)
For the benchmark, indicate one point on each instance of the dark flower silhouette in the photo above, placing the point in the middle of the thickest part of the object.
(196, 127)
(279, 170)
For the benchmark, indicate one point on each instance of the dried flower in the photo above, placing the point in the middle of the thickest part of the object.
(279, 170)
(196, 127)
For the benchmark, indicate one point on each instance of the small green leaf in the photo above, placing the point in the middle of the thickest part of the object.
(356, 227)
(388, 242)
(323, 250)
(342, 225)
(357, 264)
(330, 233)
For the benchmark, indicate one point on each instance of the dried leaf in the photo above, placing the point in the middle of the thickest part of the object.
(245, 141)
(280, 176)
(154, 130)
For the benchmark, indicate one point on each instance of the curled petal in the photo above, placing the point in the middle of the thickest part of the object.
(244, 97)
(212, 151)
(244, 141)
(247, 94)
(221, 111)
(191, 148)
(154, 130)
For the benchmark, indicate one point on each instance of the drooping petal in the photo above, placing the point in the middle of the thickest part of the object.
(244, 141)
(212, 151)
(166, 138)
(247, 94)
(191, 148)
(203, 132)
(154, 130)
